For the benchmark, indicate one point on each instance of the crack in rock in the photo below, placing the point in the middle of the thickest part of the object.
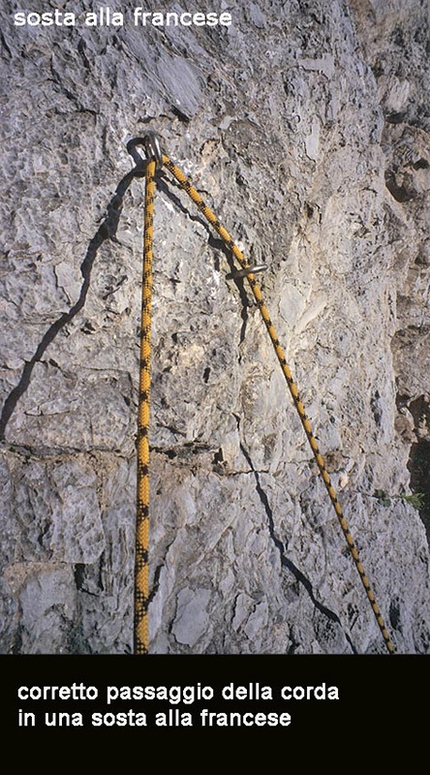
(106, 231)
(285, 561)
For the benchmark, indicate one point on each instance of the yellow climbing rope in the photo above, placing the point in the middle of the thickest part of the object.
(156, 157)
(141, 595)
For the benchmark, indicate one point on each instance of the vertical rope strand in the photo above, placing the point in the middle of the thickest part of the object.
(213, 220)
(141, 598)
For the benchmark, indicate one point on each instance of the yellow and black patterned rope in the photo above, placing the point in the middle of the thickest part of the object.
(141, 592)
(213, 220)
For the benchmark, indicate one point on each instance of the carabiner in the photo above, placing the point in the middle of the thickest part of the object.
(152, 147)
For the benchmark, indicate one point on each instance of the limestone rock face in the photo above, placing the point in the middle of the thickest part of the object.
(305, 126)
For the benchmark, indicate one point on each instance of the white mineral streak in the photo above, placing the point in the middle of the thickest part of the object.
(308, 132)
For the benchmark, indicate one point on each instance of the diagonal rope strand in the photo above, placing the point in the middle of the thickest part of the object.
(213, 220)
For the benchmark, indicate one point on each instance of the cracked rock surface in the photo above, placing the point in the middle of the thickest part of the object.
(307, 131)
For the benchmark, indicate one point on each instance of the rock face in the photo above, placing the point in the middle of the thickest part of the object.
(307, 131)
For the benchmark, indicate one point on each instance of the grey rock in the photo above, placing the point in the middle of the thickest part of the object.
(307, 132)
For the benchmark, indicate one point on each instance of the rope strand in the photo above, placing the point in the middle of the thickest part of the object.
(141, 644)
(213, 220)
(141, 597)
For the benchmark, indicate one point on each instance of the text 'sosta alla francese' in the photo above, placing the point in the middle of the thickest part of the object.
(105, 17)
